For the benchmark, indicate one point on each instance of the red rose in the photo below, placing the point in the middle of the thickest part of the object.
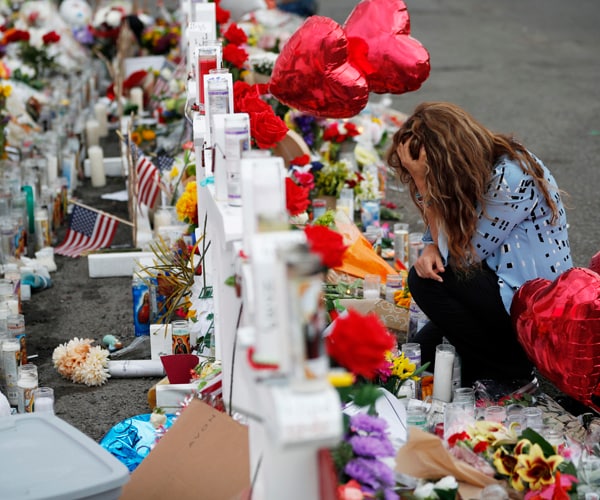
(51, 37)
(351, 129)
(14, 35)
(296, 197)
(327, 243)
(359, 343)
(305, 179)
(222, 15)
(235, 55)
(331, 132)
(301, 160)
(267, 129)
(235, 34)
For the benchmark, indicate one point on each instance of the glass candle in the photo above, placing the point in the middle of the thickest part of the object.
(442, 373)
(43, 400)
(209, 56)
(495, 413)
(371, 286)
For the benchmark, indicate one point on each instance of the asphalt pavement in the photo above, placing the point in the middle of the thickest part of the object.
(529, 67)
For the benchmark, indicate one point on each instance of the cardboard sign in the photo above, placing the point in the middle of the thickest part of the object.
(203, 455)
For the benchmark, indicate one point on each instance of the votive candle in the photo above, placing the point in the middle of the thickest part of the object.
(97, 174)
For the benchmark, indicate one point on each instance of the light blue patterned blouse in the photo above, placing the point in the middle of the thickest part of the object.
(515, 236)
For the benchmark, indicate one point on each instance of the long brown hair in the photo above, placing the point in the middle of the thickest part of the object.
(461, 155)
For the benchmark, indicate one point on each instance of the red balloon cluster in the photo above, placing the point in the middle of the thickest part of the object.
(328, 70)
(558, 325)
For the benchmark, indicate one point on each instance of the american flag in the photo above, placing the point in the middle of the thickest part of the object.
(164, 162)
(88, 230)
(148, 181)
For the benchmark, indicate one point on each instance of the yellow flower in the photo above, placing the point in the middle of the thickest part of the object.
(5, 90)
(535, 469)
(148, 135)
(402, 367)
(187, 204)
(174, 172)
(506, 464)
(340, 378)
(136, 138)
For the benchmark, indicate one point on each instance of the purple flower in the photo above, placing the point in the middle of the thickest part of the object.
(371, 446)
(367, 423)
(370, 473)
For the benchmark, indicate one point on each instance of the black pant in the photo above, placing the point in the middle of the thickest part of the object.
(469, 312)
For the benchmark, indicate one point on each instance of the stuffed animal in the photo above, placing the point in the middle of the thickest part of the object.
(76, 13)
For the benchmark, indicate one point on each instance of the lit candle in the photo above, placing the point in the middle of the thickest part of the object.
(442, 373)
(101, 117)
(92, 133)
(136, 96)
(97, 174)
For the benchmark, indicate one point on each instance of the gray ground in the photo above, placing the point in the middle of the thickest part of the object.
(525, 66)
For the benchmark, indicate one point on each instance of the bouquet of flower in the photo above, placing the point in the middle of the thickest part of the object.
(400, 369)
(81, 362)
(527, 461)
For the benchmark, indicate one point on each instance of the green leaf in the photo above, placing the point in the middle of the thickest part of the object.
(536, 438)
(230, 281)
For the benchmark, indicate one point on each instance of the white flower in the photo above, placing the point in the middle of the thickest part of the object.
(447, 483)
(425, 492)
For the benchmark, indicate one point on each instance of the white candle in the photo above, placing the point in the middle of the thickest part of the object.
(43, 405)
(136, 96)
(101, 117)
(442, 373)
(97, 174)
(52, 167)
(92, 133)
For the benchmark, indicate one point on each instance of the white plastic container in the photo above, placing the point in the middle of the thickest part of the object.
(45, 458)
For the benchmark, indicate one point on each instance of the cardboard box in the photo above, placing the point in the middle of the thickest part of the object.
(393, 317)
(204, 454)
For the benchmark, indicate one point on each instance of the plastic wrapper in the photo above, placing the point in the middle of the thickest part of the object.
(132, 439)
(360, 258)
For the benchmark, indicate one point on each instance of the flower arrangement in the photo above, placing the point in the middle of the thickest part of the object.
(527, 461)
(162, 38)
(36, 58)
(81, 362)
(358, 458)
(187, 206)
(173, 273)
(5, 91)
(400, 369)
(144, 137)
(266, 128)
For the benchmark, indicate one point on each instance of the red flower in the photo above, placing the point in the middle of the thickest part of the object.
(305, 179)
(267, 129)
(327, 243)
(481, 446)
(14, 35)
(331, 132)
(359, 343)
(351, 129)
(51, 37)
(296, 197)
(222, 15)
(301, 160)
(235, 55)
(350, 491)
(235, 34)
(459, 436)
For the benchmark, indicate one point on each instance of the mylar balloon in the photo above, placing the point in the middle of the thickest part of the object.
(558, 325)
(397, 62)
(313, 74)
(595, 263)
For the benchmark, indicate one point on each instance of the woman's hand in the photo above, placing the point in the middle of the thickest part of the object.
(416, 168)
(430, 264)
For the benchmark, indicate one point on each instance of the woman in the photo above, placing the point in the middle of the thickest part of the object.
(494, 220)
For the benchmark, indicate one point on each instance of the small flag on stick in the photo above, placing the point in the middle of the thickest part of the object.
(88, 230)
(148, 180)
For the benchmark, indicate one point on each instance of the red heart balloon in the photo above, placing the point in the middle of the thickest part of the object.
(398, 63)
(595, 263)
(558, 325)
(313, 74)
